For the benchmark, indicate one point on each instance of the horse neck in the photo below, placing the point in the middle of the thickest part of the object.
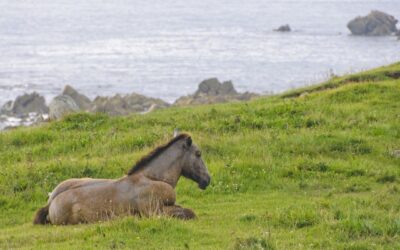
(167, 167)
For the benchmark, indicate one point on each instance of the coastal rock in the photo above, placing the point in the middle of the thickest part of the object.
(62, 105)
(25, 104)
(377, 23)
(82, 101)
(124, 105)
(283, 28)
(212, 91)
(213, 87)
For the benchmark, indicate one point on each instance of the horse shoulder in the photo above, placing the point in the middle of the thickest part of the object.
(145, 188)
(164, 191)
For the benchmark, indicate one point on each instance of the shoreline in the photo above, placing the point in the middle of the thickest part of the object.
(209, 91)
(30, 109)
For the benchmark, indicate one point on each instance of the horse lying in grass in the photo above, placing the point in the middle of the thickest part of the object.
(147, 190)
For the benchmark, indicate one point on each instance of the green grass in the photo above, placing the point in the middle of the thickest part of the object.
(289, 172)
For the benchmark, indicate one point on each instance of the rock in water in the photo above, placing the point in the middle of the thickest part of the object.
(62, 105)
(213, 87)
(377, 23)
(124, 105)
(82, 101)
(284, 28)
(110, 105)
(25, 104)
(212, 91)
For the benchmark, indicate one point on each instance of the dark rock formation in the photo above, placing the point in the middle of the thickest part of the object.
(284, 28)
(124, 105)
(212, 91)
(25, 104)
(377, 23)
(82, 101)
(62, 105)
(213, 87)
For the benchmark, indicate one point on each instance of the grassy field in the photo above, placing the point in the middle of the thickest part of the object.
(312, 168)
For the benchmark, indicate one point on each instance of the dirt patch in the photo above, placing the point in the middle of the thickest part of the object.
(362, 78)
(394, 74)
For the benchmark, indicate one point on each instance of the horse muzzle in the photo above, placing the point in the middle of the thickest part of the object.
(203, 184)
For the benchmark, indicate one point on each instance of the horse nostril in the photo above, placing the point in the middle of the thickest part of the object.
(204, 183)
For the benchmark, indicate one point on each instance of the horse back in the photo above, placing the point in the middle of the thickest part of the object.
(73, 184)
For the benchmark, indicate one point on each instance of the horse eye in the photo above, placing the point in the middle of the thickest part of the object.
(198, 153)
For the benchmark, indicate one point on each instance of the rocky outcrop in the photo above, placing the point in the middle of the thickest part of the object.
(115, 105)
(25, 104)
(124, 105)
(377, 23)
(62, 105)
(283, 28)
(212, 91)
(82, 101)
(31, 109)
(212, 87)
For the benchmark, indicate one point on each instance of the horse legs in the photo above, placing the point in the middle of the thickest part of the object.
(179, 212)
(158, 198)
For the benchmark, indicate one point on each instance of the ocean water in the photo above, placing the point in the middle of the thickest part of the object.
(164, 48)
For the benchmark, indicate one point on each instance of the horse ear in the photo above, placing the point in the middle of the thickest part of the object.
(189, 141)
(176, 132)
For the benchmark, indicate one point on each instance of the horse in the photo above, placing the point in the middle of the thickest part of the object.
(146, 190)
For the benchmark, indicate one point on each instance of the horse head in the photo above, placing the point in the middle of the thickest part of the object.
(193, 165)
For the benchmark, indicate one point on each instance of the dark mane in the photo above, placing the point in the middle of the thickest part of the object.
(156, 152)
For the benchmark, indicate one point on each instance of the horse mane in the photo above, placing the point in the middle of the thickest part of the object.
(145, 160)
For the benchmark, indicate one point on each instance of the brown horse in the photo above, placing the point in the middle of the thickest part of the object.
(147, 190)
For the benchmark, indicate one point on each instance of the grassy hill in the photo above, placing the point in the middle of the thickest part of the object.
(312, 168)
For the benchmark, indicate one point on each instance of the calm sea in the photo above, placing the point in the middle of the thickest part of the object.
(164, 48)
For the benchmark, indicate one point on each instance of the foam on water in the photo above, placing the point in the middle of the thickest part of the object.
(31, 118)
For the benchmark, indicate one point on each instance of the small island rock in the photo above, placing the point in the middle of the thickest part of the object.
(377, 23)
(284, 28)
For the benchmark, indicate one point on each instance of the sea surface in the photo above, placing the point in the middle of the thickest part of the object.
(164, 48)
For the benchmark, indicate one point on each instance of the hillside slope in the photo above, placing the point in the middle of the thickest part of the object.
(312, 168)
